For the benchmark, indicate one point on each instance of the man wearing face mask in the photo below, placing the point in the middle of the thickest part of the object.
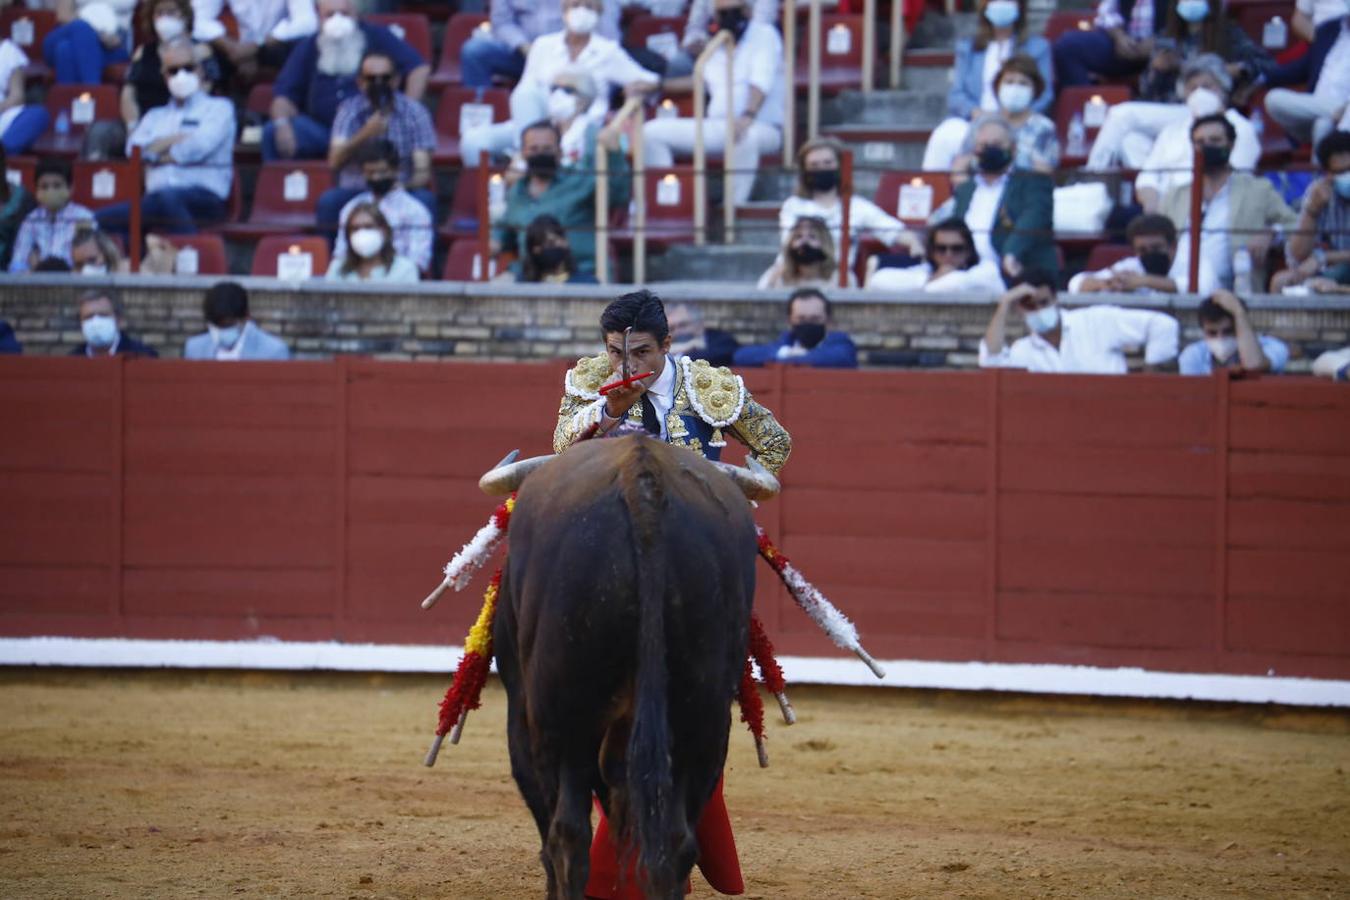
(1154, 267)
(321, 72)
(1229, 341)
(50, 228)
(103, 326)
(1240, 210)
(690, 337)
(407, 215)
(1320, 246)
(1092, 340)
(809, 341)
(516, 25)
(230, 333)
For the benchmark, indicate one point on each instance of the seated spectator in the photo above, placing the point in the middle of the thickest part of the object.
(1088, 341)
(9, 343)
(696, 26)
(1000, 36)
(48, 230)
(516, 25)
(1230, 342)
(806, 260)
(567, 195)
(1194, 29)
(817, 196)
(1310, 15)
(320, 73)
(951, 265)
(15, 205)
(809, 341)
(756, 101)
(268, 31)
(1016, 86)
(146, 87)
(1240, 209)
(94, 253)
(1154, 267)
(569, 103)
(104, 326)
(230, 333)
(690, 337)
(575, 47)
(1119, 44)
(1334, 364)
(21, 123)
(53, 265)
(370, 250)
(188, 147)
(1009, 212)
(548, 258)
(378, 113)
(1309, 116)
(1320, 245)
(93, 34)
(405, 213)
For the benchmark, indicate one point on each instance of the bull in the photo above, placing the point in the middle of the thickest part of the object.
(620, 638)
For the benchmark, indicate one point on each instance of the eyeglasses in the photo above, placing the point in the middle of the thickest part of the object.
(174, 70)
(565, 88)
(942, 249)
(378, 78)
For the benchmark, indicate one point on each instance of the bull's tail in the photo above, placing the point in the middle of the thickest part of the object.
(649, 822)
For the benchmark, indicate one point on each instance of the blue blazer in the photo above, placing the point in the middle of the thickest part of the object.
(968, 76)
(258, 344)
(836, 351)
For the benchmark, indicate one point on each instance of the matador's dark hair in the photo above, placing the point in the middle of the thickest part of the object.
(642, 310)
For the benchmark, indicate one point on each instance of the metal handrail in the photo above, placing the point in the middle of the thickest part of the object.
(632, 107)
(790, 74)
(1197, 213)
(869, 47)
(722, 38)
(813, 70)
(845, 219)
(898, 39)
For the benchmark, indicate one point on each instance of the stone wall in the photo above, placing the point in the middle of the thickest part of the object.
(515, 322)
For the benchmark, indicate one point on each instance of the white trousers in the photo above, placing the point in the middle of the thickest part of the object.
(527, 107)
(1127, 135)
(944, 144)
(662, 139)
(1302, 115)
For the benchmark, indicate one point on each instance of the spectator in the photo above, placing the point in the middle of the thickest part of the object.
(1193, 29)
(1230, 341)
(9, 343)
(1320, 245)
(756, 100)
(567, 195)
(406, 214)
(53, 265)
(1309, 116)
(320, 73)
(15, 205)
(230, 333)
(809, 340)
(1334, 364)
(1088, 341)
(951, 264)
(268, 31)
(1154, 137)
(516, 25)
(146, 87)
(49, 229)
(21, 123)
(696, 32)
(1119, 45)
(548, 257)
(570, 101)
(577, 48)
(93, 34)
(807, 258)
(1310, 15)
(1154, 266)
(1036, 145)
(817, 196)
(371, 256)
(1010, 213)
(188, 146)
(104, 326)
(976, 81)
(1240, 209)
(94, 253)
(690, 337)
(378, 113)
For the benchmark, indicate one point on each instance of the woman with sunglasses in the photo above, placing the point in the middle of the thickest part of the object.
(951, 265)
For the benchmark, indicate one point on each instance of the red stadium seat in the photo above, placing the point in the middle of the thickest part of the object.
(1074, 100)
(412, 28)
(840, 54)
(210, 252)
(260, 100)
(1252, 16)
(265, 256)
(1067, 20)
(650, 32)
(82, 105)
(670, 209)
(277, 210)
(464, 262)
(1105, 255)
(916, 199)
(20, 170)
(99, 184)
(458, 30)
(27, 28)
(448, 110)
(462, 220)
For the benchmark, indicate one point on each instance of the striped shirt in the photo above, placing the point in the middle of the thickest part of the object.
(1333, 225)
(409, 129)
(49, 234)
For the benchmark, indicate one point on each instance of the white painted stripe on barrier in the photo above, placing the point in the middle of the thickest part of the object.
(968, 676)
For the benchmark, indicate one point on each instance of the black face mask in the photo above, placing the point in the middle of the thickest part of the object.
(822, 179)
(548, 259)
(1156, 262)
(733, 20)
(806, 254)
(994, 159)
(542, 165)
(1215, 158)
(381, 186)
(808, 334)
(380, 93)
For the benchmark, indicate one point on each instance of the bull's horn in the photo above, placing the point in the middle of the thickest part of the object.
(507, 475)
(755, 481)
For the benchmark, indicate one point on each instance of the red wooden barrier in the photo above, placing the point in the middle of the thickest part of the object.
(1170, 523)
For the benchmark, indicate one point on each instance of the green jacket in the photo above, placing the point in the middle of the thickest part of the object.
(1024, 224)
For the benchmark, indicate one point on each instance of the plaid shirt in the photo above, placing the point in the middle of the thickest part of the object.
(1141, 18)
(409, 129)
(50, 234)
(1333, 226)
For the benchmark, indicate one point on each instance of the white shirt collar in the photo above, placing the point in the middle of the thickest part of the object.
(664, 385)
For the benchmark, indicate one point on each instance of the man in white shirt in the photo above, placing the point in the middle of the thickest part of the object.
(1311, 116)
(1088, 341)
(268, 29)
(1155, 266)
(756, 99)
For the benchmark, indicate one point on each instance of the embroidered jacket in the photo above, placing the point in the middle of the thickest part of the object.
(709, 400)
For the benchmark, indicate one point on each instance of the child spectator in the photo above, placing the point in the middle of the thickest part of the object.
(49, 229)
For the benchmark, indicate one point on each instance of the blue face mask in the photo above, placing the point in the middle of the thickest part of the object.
(1342, 185)
(225, 337)
(1044, 319)
(1193, 10)
(1001, 13)
(99, 331)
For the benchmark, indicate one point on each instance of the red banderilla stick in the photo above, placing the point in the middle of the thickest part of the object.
(625, 382)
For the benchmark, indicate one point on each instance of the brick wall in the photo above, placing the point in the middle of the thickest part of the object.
(513, 322)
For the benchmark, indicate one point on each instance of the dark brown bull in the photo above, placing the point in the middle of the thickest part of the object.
(620, 638)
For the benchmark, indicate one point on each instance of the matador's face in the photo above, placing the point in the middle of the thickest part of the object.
(645, 353)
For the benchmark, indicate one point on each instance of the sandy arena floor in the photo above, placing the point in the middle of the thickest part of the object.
(229, 784)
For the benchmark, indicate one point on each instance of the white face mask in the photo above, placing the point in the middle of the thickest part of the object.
(338, 26)
(366, 242)
(1044, 319)
(1221, 348)
(99, 331)
(225, 337)
(184, 84)
(93, 269)
(1203, 102)
(168, 27)
(1015, 98)
(581, 19)
(561, 105)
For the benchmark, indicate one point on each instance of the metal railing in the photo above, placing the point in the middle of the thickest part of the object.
(632, 109)
(723, 39)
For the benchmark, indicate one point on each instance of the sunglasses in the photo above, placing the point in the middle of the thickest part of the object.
(174, 70)
(940, 249)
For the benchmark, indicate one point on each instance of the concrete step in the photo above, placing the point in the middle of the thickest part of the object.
(891, 109)
(711, 262)
(940, 30)
(881, 148)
